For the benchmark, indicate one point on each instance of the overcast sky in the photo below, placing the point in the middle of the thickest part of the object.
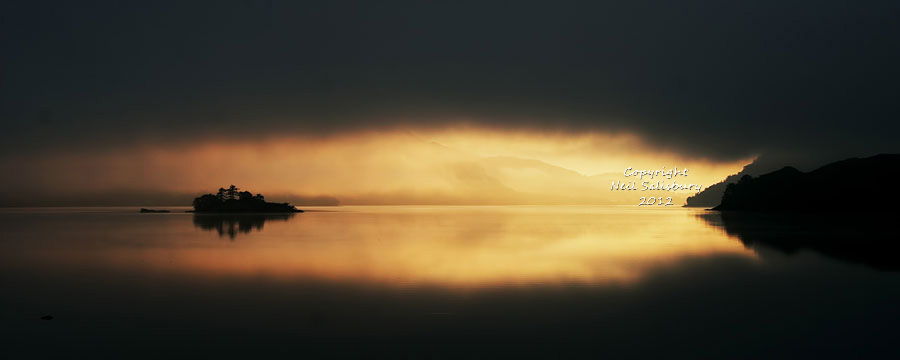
(715, 79)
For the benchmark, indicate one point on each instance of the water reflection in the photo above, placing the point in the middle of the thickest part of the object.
(232, 224)
(868, 239)
(413, 282)
(455, 247)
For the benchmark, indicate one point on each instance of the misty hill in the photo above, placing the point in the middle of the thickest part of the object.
(231, 200)
(852, 185)
(712, 195)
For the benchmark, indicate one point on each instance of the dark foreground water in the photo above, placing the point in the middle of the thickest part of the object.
(442, 282)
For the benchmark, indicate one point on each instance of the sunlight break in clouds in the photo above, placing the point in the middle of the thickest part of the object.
(449, 166)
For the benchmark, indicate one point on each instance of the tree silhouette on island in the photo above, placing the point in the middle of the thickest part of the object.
(232, 200)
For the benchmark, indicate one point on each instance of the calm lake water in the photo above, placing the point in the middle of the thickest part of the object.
(439, 282)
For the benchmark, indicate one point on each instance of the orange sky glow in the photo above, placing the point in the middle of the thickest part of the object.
(445, 166)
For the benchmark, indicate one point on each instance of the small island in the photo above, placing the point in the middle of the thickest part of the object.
(144, 210)
(232, 200)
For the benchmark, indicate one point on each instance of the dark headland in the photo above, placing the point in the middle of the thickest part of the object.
(844, 210)
(232, 200)
(851, 185)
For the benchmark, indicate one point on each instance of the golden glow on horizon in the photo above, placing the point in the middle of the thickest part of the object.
(451, 166)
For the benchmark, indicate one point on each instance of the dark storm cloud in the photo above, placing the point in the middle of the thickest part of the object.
(710, 78)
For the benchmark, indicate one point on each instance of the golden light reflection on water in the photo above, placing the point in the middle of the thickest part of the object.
(444, 246)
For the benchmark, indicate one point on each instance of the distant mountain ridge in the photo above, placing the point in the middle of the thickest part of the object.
(851, 185)
(712, 195)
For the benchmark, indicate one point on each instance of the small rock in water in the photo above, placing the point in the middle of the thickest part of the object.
(47, 317)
